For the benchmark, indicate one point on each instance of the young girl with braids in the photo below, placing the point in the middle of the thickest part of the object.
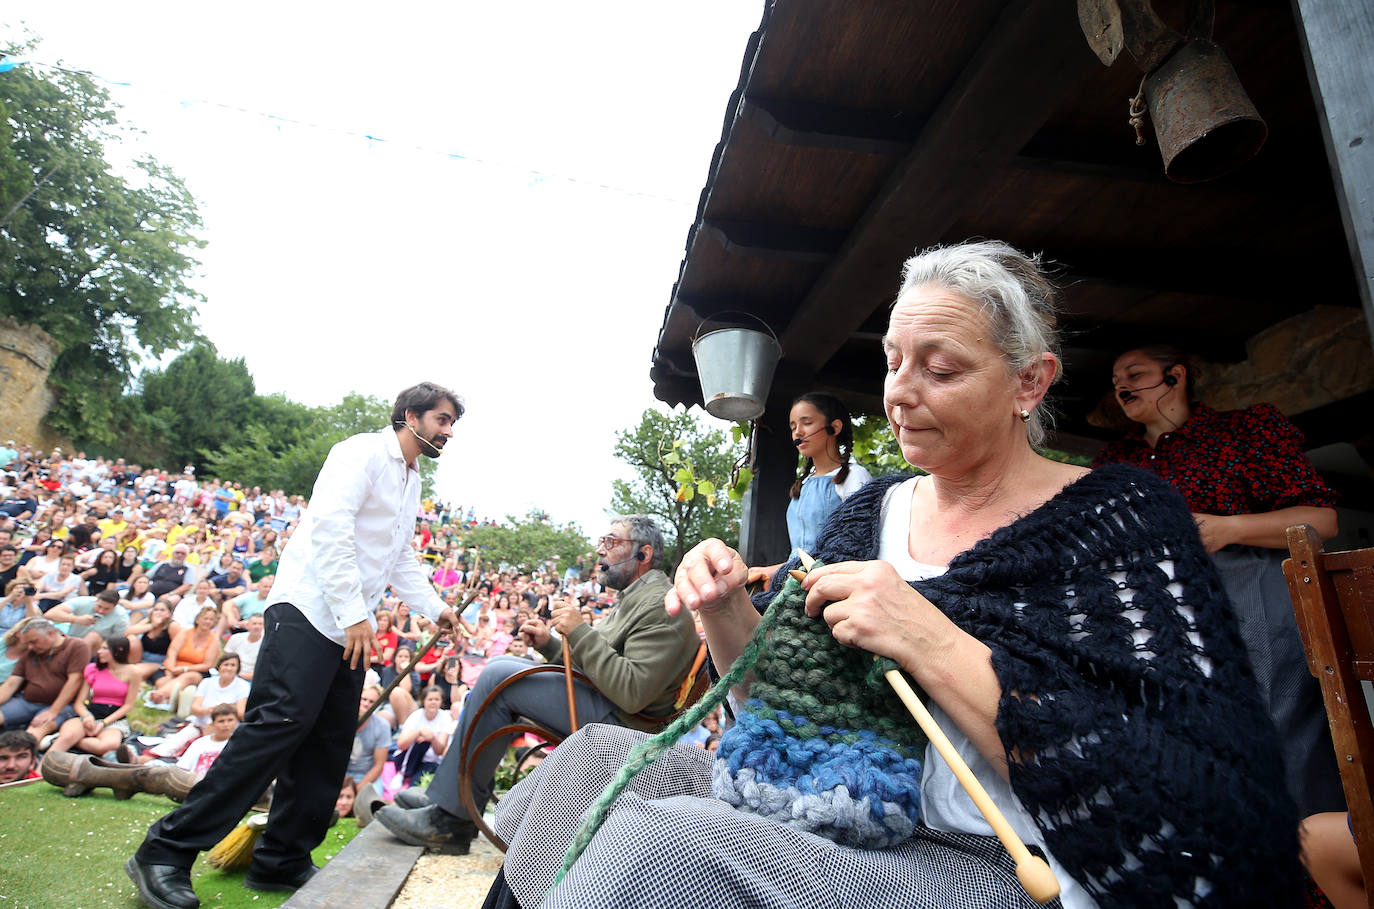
(824, 436)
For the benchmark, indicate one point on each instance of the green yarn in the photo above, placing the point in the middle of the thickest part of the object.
(798, 667)
(645, 753)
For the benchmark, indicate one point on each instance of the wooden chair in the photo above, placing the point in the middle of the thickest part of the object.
(1333, 594)
(696, 684)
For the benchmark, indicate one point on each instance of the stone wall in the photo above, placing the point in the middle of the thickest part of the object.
(26, 355)
(1303, 362)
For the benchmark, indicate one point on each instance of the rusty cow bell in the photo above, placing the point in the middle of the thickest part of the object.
(1204, 122)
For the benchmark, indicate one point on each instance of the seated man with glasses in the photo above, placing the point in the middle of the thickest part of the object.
(635, 657)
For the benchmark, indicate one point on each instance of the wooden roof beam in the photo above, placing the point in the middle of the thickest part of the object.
(773, 241)
(824, 126)
(1033, 56)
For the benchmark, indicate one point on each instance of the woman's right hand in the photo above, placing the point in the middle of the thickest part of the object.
(710, 577)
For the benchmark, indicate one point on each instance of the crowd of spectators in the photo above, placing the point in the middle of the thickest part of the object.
(153, 586)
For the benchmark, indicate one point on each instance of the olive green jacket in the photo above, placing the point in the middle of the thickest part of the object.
(637, 656)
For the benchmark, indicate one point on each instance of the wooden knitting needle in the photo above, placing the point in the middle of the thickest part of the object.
(1032, 871)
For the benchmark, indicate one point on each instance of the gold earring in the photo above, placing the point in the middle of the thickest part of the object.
(1024, 415)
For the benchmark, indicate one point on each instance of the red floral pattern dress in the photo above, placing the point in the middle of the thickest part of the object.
(1229, 462)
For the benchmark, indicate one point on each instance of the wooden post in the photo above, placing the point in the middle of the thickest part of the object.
(1338, 47)
(763, 519)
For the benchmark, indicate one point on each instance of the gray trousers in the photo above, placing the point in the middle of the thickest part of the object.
(542, 697)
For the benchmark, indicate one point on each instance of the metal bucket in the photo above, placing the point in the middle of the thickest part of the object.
(1205, 123)
(735, 367)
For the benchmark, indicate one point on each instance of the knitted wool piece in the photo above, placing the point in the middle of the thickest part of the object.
(1143, 753)
(823, 744)
(645, 753)
(819, 766)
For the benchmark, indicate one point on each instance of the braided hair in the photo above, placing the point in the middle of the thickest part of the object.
(832, 409)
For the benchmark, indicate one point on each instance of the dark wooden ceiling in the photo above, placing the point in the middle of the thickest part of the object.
(861, 132)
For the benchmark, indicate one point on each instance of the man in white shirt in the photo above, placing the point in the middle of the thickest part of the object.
(321, 628)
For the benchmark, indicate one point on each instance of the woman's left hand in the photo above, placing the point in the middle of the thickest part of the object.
(868, 605)
(1215, 530)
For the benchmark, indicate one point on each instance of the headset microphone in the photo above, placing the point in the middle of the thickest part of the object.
(827, 429)
(423, 441)
(1128, 394)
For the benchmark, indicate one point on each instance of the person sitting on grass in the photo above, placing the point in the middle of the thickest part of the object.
(246, 645)
(224, 688)
(401, 703)
(18, 756)
(18, 605)
(189, 658)
(348, 797)
(93, 618)
(44, 682)
(255, 602)
(151, 638)
(370, 744)
(201, 753)
(108, 693)
(424, 736)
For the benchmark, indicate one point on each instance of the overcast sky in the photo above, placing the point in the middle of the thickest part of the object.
(515, 236)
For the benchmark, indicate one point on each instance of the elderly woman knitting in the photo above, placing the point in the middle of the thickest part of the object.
(1064, 627)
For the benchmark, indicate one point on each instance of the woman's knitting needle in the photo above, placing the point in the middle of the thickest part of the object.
(1033, 872)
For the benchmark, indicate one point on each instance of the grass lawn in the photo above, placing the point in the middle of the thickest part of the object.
(56, 851)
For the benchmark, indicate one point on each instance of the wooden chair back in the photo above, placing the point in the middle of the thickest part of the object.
(1333, 594)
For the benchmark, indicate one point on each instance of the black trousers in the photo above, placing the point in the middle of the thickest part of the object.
(298, 728)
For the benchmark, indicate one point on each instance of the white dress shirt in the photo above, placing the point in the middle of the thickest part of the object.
(354, 541)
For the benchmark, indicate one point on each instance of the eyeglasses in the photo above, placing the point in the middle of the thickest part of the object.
(609, 541)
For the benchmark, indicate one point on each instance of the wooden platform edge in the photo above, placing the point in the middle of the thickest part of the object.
(366, 874)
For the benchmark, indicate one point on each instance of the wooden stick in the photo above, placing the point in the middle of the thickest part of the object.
(415, 660)
(568, 676)
(1032, 871)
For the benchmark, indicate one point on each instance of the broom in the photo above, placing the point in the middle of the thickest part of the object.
(235, 851)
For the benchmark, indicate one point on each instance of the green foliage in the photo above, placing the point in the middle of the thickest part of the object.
(527, 543)
(285, 444)
(101, 262)
(200, 399)
(686, 519)
(674, 455)
(876, 448)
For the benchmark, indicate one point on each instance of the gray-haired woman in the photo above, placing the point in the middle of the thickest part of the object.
(1065, 627)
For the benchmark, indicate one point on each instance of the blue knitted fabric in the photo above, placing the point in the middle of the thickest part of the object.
(823, 744)
(1133, 731)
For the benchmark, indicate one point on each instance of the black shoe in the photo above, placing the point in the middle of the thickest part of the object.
(277, 882)
(431, 827)
(413, 798)
(162, 886)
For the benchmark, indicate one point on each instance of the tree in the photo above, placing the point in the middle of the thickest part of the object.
(685, 520)
(287, 447)
(100, 261)
(527, 543)
(197, 402)
(876, 448)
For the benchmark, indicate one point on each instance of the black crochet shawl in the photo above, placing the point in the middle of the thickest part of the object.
(1149, 778)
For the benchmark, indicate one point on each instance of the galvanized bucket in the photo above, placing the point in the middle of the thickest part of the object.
(735, 367)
